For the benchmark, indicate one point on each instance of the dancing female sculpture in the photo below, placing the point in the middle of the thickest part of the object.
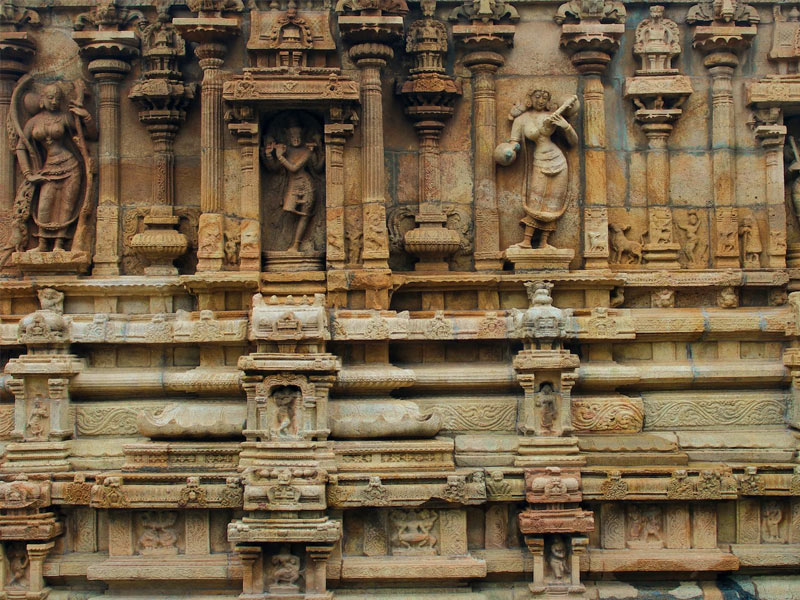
(546, 182)
(54, 160)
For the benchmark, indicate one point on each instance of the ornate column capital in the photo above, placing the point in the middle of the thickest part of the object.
(590, 32)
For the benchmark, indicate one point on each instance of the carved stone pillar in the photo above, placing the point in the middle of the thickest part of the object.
(485, 38)
(370, 36)
(431, 240)
(591, 37)
(336, 135)
(16, 52)
(555, 530)
(43, 419)
(729, 31)
(211, 30)
(244, 125)
(771, 133)
(108, 52)
(163, 99)
(658, 92)
(547, 372)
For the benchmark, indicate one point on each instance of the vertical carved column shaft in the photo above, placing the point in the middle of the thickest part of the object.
(108, 147)
(657, 164)
(772, 139)
(370, 59)
(163, 164)
(721, 66)
(211, 127)
(210, 252)
(484, 66)
(108, 73)
(6, 151)
(334, 194)
(16, 51)
(594, 124)
(248, 133)
(430, 180)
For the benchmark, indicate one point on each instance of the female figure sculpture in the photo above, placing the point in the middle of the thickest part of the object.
(546, 182)
(299, 156)
(53, 166)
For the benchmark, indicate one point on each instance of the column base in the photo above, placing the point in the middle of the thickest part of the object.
(793, 256)
(727, 262)
(548, 452)
(489, 261)
(55, 263)
(539, 259)
(37, 457)
(277, 261)
(661, 256)
(595, 262)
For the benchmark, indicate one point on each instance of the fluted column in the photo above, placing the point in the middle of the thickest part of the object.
(484, 66)
(370, 58)
(591, 43)
(109, 54)
(212, 32)
(211, 225)
(721, 41)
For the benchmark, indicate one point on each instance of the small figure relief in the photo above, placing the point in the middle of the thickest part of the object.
(624, 251)
(411, 532)
(231, 249)
(294, 153)
(751, 242)
(546, 183)
(644, 525)
(287, 400)
(771, 520)
(727, 298)
(660, 226)
(18, 563)
(547, 407)
(54, 159)
(557, 559)
(37, 426)
(158, 536)
(694, 249)
(285, 572)
(657, 42)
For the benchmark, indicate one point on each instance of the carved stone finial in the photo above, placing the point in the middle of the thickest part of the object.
(13, 18)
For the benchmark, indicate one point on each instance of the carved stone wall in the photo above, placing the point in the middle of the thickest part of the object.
(303, 299)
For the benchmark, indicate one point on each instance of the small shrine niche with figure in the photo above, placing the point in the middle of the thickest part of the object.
(293, 217)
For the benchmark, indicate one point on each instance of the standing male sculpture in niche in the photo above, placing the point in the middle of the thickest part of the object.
(546, 180)
(51, 164)
(295, 151)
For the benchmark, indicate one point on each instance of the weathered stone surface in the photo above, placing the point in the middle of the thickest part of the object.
(370, 299)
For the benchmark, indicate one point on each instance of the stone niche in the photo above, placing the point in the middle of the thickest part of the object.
(291, 114)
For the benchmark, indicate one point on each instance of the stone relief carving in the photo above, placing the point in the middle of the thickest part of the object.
(412, 532)
(293, 152)
(54, 201)
(657, 42)
(158, 536)
(546, 184)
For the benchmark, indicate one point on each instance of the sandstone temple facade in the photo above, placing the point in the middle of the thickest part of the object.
(402, 300)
